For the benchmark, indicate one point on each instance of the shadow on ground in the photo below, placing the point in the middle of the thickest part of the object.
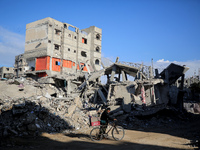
(22, 126)
(168, 121)
(42, 143)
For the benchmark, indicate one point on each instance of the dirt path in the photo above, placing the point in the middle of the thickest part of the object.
(132, 140)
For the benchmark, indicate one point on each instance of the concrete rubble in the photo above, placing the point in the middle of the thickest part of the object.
(66, 103)
(41, 112)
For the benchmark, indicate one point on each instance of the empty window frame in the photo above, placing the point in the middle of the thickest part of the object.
(57, 32)
(84, 40)
(96, 62)
(57, 47)
(72, 28)
(98, 36)
(97, 49)
(83, 54)
(57, 63)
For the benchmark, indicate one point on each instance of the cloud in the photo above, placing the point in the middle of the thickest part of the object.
(163, 61)
(11, 44)
(161, 64)
(194, 65)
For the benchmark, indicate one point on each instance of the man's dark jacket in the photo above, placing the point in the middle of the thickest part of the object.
(105, 116)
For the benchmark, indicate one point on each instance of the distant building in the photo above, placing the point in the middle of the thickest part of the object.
(20, 66)
(6, 72)
(53, 47)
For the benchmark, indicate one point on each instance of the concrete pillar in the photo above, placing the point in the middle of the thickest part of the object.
(152, 95)
(113, 73)
(156, 72)
(123, 76)
(181, 94)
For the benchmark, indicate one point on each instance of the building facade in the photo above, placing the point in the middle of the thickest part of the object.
(53, 47)
(6, 72)
(20, 66)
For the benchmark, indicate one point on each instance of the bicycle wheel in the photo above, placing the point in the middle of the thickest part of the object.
(118, 133)
(95, 134)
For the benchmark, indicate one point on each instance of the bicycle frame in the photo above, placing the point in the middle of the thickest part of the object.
(112, 126)
(97, 133)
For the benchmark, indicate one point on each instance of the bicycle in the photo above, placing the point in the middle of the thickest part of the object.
(96, 134)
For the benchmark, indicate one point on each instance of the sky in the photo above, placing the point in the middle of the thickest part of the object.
(167, 31)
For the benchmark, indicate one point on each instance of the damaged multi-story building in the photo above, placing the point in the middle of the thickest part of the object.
(6, 72)
(70, 58)
(20, 66)
(56, 48)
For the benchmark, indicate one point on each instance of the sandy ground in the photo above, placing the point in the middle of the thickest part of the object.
(163, 138)
(177, 137)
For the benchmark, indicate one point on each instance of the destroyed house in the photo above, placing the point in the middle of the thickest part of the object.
(54, 48)
(6, 72)
(20, 66)
(146, 90)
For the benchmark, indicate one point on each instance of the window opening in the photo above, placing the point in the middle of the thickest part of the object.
(69, 35)
(57, 63)
(83, 54)
(84, 40)
(57, 32)
(74, 51)
(74, 37)
(65, 26)
(7, 69)
(98, 37)
(56, 47)
(72, 28)
(82, 66)
(97, 49)
(96, 62)
(49, 41)
(68, 49)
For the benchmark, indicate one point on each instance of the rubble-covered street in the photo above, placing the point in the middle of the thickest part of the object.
(52, 92)
(31, 116)
(106, 75)
(160, 136)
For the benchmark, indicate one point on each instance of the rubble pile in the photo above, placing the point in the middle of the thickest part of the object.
(192, 107)
(30, 117)
(168, 117)
(22, 117)
(29, 107)
(39, 113)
